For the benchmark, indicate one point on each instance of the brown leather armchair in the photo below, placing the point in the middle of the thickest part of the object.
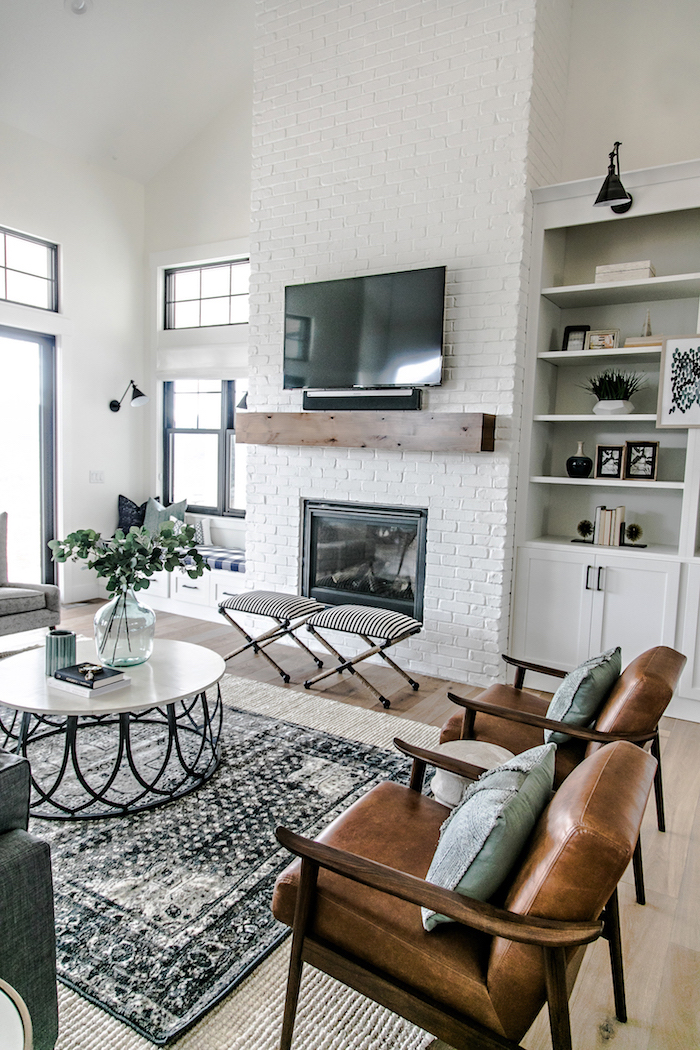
(354, 899)
(512, 718)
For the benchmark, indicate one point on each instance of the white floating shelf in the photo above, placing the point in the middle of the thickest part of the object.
(677, 286)
(566, 543)
(634, 417)
(608, 483)
(643, 354)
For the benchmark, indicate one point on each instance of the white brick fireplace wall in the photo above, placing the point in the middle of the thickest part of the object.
(388, 135)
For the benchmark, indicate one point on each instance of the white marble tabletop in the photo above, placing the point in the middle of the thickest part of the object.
(174, 671)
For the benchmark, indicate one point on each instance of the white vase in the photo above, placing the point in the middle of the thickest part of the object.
(613, 408)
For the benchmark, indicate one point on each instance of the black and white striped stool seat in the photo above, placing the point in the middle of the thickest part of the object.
(272, 603)
(361, 619)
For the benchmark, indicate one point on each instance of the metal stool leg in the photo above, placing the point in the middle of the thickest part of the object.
(399, 670)
(258, 643)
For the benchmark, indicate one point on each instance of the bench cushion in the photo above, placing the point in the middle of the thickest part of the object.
(271, 603)
(230, 558)
(362, 619)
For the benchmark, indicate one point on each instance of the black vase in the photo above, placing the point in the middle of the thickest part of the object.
(579, 466)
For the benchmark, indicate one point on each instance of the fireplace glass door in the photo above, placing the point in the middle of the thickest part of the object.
(365, 555)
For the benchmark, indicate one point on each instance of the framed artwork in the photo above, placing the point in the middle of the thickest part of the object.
(603, 339)
(575, 336)
(608, 461)
(641, 460)
(679, 383)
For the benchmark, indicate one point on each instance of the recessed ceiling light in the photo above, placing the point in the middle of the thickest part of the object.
(77, 7)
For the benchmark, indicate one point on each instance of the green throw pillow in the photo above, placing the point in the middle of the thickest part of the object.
(156, 514)
(583, 692)
(482, 838)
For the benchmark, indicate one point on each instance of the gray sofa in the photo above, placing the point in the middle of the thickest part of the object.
(27, 936)
(24, 606)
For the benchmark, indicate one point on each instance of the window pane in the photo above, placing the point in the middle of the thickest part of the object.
(2, 283)
(196, 469)
(2, 249)
(198, 407)
(186, 284)
(215, 311)
(240, 310)
(216, 281)
(186, 315)
(240, 279)
(28, 256)
(32, 291)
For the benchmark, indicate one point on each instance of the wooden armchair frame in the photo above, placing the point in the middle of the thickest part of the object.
(553, 936)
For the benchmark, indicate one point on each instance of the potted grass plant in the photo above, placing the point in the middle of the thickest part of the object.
(125, 626)
(614, 390)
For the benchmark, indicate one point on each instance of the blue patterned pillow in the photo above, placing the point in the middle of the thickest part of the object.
(130, 514)
(583, 692)
(482, 838)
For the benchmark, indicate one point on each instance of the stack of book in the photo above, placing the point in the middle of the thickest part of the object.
(89, 679)
(609, 526)
(630, 271)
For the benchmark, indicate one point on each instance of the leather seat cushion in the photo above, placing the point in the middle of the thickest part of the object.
(515, 736)
(399, 828)
(19, 600)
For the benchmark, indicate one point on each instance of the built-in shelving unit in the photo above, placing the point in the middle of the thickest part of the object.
(641, 595)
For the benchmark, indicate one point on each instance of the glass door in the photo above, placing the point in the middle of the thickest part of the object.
(27, 459)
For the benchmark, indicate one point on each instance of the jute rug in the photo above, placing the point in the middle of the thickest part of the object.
(250, 1016)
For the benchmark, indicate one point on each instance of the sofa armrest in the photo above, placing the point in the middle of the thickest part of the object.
(422, 758)
(52, 592)
(15, 788)
(524, 665)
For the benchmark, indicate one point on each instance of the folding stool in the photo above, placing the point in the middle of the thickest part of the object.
(289, 611)
(368, 623)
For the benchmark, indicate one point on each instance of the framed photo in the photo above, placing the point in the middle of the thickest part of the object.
(608, 461)
(603, 339)
(679, 383)
(575, 336)
(641, 460)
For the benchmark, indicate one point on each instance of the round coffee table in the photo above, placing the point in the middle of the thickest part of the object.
(129, 750)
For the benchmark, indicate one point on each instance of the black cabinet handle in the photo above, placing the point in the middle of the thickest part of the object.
(588, 577)
(601, 569)
(189, 587)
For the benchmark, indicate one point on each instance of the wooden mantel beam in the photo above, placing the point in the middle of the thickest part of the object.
(398, 431)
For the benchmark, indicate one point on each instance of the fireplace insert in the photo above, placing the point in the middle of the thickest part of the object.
(363, 554)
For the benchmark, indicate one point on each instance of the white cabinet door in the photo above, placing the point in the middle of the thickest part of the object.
(571, 606)
(186, 590)
(552, 608)
(635, 605)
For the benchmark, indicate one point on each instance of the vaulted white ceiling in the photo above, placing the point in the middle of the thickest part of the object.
(127, 84)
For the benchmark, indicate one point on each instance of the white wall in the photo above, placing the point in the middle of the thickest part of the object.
(634, 76)
(97, 218)
(203, 196)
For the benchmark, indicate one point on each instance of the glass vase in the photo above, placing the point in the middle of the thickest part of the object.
(124, 630)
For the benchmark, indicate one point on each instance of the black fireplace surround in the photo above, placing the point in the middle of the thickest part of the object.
(363, 554)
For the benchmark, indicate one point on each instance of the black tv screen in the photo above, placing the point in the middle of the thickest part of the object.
(380, 331)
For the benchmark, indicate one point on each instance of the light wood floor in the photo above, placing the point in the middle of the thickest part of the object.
(661, 940)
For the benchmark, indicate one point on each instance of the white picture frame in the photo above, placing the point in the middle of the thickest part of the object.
(678, 405)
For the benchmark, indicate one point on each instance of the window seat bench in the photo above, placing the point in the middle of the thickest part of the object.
(175, 592)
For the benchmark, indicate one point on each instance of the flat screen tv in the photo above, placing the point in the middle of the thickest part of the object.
(365, 332)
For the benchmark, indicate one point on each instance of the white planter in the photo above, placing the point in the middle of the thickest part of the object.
(613, 408)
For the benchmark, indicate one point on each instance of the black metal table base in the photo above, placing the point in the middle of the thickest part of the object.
(90, 766)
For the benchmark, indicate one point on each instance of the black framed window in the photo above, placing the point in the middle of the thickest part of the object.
(28, 270)
(205, 296)
(200, 459)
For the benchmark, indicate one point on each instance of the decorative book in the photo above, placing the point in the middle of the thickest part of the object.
(84, 690)
(89, 676)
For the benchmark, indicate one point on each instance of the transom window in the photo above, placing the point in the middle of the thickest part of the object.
(203, 465)
(28, 270)
(202, 296)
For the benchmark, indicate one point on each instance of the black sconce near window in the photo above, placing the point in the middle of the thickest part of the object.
(137, 398)
(612, 193)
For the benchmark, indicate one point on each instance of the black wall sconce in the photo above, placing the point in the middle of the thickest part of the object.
(137, 398)
(612, 193)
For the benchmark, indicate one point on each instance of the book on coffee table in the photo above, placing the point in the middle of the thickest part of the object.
(82, 690)
(89, 675)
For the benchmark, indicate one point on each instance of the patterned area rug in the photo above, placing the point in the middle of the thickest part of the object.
(160, 915)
